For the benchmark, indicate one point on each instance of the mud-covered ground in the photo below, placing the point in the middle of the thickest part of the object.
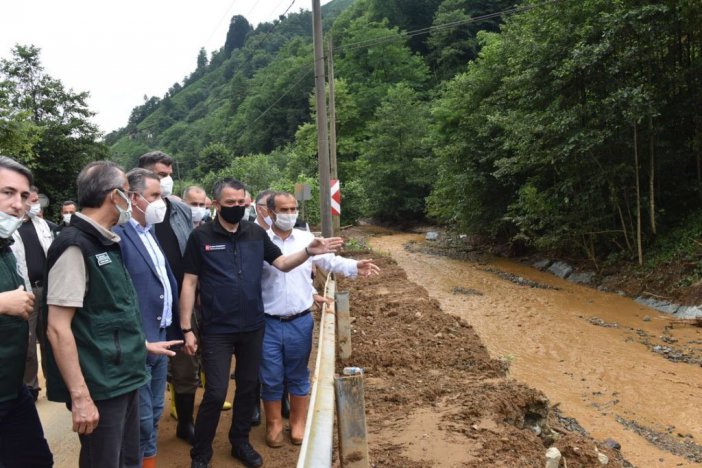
(434, 397)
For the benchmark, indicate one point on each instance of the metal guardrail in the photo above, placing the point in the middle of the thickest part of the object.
(317, 447)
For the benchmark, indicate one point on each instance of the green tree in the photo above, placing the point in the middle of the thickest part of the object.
(395, 168)
(62, 137)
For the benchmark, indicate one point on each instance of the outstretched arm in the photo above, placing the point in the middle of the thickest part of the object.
(318, 246)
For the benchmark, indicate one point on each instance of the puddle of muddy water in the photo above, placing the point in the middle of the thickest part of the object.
(591, 352)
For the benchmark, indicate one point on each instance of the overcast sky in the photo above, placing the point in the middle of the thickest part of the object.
(124, 50)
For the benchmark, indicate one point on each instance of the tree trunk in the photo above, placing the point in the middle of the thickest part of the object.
(652, 171)
(638, 194)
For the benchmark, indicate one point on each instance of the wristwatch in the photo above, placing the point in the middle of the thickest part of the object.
(186, 330)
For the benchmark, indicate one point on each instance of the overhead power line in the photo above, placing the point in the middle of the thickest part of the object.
(438, 27)
(392, 38)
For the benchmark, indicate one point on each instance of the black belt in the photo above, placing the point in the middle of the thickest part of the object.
(37, 284)
(287, 318)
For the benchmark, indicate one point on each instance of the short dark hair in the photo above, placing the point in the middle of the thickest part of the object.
(270, 203)
(224, 183)
(151, 158)
(69, 202)
(263, 195)
(12, 165)
(137, 179)
(96, 180)
(33, 189)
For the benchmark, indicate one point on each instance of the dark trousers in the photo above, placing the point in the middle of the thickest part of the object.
(115, 441)
(217, 353)
(22, 442)
(31, 368)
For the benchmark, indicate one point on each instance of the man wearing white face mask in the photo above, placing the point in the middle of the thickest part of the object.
(95, 362)
(23, 442)
(196, 198)
(68, 209)
(157, 293)
(287, 300)
(32, 241)
(173, 235)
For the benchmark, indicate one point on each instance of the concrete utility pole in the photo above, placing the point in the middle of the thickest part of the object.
(336, 220)
(322, 126)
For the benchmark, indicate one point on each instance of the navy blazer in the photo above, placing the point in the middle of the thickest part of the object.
(148, 284)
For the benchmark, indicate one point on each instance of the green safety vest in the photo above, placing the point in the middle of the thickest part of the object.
(14, 332)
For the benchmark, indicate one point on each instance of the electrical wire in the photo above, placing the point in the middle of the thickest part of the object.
(438, 27)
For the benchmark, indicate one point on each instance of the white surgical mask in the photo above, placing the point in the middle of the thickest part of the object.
(8, 225)
(268, 220)
(198, 213)
(124, 215)
(166, 186)
(285, 221)
(34, 210)
(155, 211)
(66, 218)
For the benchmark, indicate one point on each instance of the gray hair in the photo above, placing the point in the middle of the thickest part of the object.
(96, 180)
(137, 179)
(224, 183)
(193, 188)
(12, 165)
(264, 194)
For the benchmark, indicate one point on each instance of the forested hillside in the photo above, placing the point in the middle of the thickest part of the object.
(571, 125)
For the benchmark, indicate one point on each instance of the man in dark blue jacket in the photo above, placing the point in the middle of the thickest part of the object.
(157, 293)
(225, 259)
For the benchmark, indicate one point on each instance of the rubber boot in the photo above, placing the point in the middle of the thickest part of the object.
(226, 406)
(174, 410)
(298, 416)
(148, 462)
(274, 424)
(185, 405)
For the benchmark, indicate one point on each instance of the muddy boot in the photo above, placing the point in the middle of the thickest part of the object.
(185, 404)
(173, 411)
(274, 424)
(298, 416)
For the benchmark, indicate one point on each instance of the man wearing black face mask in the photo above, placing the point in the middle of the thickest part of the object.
(225, 259)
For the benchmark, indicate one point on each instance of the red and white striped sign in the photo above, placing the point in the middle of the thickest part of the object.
(335, 198)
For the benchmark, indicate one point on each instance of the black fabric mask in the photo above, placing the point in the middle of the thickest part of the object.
(232, 214)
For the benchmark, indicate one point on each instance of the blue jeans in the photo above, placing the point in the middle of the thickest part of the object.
(286, 353)
(216, 363)
(22, 442)
(151, 397)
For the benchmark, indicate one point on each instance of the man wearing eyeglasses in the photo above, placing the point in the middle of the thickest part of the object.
(95, 363)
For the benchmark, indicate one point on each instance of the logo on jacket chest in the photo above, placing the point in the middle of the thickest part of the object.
(213, 247)
(103, 259)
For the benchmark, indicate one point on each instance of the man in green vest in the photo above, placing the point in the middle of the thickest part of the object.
(22, 441)
(96, 361)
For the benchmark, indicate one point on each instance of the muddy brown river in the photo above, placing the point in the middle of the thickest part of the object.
(590, 352)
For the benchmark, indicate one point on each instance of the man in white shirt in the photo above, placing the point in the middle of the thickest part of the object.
(32, 241)
(287, 300)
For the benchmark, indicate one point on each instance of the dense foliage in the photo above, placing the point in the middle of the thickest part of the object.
(44, 125)
(573, 125)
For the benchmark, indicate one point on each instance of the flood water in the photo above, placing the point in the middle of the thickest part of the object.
(590, 352)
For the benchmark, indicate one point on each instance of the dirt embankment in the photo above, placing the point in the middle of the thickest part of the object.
(434, 396)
